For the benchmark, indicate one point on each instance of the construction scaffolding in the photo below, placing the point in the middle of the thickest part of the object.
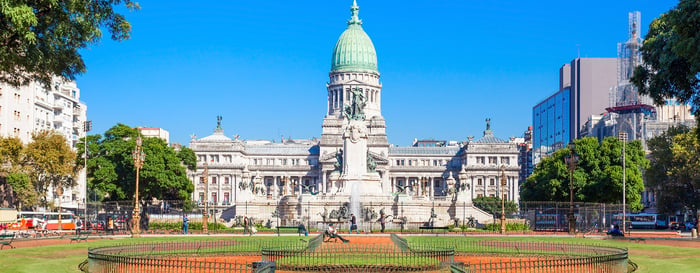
(630, 109)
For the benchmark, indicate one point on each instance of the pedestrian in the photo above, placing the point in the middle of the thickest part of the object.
(78, 225)
(185, 223)
(110, 225)
(353, 224)
(246, 228)
(382, 221)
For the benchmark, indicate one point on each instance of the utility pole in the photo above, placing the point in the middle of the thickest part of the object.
(623, 139)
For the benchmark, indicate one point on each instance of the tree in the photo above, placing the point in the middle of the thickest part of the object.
(597, 177)
(187, 156)
(668, 192)
(113, 176)
(51, 162)
(675, 170)
(671, 54)
(40, 39)
(26, 195)
(492, 205)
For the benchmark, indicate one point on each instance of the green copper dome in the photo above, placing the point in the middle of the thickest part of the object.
(354, 50)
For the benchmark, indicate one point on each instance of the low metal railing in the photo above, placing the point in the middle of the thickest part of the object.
(205, 256)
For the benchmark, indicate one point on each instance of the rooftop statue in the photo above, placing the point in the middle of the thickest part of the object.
(218, 121)
(355, 111)
(488, 124)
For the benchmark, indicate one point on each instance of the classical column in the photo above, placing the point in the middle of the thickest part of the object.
(420, 186)
(275, 187)
(431, 190)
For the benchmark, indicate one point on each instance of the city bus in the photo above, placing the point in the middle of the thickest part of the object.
(36, 220)
(638, 220)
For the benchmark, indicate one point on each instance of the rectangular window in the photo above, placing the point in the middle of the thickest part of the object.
(493, 182)
(492, 195)
(213, 180)
(480, 160)
(505, 160)
(227, 180)
(226, 198)
(201, 197)
(493, 160)
(479, 195)
(213, 198)
(479, 182)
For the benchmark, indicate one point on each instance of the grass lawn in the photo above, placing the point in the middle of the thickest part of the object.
(649, 257)
(65, 258)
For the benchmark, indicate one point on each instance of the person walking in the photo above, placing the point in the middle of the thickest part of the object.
(353, 224)
(110, 225)
(246, 228)
(78, 225)
(185, 224)
(382, 221)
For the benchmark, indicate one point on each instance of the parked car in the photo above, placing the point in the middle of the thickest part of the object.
(675, 226)
(689, 225)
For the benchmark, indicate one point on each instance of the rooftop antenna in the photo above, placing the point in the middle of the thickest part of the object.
(578, 51)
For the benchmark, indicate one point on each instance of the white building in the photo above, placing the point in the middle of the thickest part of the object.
(155, 132)
(353, 150)
(33, 108)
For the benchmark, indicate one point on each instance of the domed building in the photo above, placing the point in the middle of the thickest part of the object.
(352, 168)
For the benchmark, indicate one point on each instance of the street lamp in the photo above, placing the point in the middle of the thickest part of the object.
(571, 161)
(623, 138)
(205, 217)
(139, 157)
(503, 199)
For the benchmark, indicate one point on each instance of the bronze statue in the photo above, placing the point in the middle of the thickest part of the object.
(355, 111)
(218, 121)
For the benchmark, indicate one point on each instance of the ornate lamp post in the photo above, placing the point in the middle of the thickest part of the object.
(503, 199)
(139, 157)
(623, 138)
(205, 217)
(571, 161)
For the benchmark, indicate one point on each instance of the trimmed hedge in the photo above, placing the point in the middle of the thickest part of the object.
(509, 227)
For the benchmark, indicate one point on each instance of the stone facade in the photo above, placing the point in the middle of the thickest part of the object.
(353, 162)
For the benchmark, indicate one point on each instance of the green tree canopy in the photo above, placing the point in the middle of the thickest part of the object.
(597, 177)
(40, 39)
(674, 174)
(671, 54)
(50, 162)
(492, 205)
(112, 174)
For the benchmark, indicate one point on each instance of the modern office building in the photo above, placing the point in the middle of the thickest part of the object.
(584, 85)
(33, 108)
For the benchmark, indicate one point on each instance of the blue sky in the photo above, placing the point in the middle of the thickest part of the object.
(445, 65)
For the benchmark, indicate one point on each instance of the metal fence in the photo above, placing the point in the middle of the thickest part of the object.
(515, 256)
(400, 216)
(360, 258)
(417, 254)
(205, 256)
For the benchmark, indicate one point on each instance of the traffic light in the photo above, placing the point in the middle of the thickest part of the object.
(87, 126)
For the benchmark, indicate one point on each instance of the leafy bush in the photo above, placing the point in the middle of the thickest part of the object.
(192, 226)
(509, 227)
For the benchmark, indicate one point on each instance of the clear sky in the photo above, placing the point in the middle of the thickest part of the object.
(445, 65)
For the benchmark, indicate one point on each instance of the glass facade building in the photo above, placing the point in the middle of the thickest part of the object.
(551, 124)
